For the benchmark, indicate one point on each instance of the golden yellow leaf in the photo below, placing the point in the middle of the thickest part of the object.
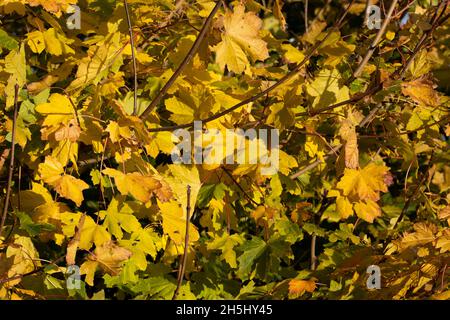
(364, 184)
(174, 222)
(421, 91)
(135, 184)
(110, 257)
(299, 287)
(241, 38)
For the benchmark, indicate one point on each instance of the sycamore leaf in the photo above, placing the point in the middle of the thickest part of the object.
(92, 233)
(24, 257)
(421, 91)
(136, 184)
(181, 176)
(299, 287)
(364, 184)
(72, 247)
(443, 241)
(325, 89)
(241, 38)
(252, 250)
(227, 243)
(110, 257)
(174, 222)
(58, 110)
(116, 219)
(367, 210)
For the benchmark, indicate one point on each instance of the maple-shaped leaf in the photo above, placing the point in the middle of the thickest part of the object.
(58, 110)
(22, 257)
(227, 243)
(174, 222)
(325, 89)
(421, 91)
(109, 257)
(423, 233)
(116, 219)
(443, 241)
(240, 38)
(364, 184)
(298, 287)
(135, 184)
(52, 172)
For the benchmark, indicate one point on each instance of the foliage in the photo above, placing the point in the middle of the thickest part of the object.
(364, 175)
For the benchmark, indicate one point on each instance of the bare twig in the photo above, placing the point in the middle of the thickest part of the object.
(184, 63)
(375, 41)
(435, 22)
(11, 161)
(239, 186)
(267, 90)
(182, 266)
(335, 149)
(133, 56)
(306, 16)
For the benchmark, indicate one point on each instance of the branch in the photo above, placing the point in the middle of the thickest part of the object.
(266, 91)
(182, 267)
(306, 16)
(375, 42)
(436, 22)
(184, 63)
(133, 56)
(11, 161)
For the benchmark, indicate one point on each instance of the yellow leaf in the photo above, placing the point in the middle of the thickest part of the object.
(364, 184)
(110, 257)
(71, 188)
(390, 35)
(299, 287)
(24, 257)
(36, 41)
(347, 132)
(58, 110)
(241, 38)
(174, 223)
(344, 207)
(368, 210)
(50, 171)
(66, 185)
(421, 91)
(92, 233)
(137, 185)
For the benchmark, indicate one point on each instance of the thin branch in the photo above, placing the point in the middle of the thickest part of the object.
(400, 71)
(435, 22)
(133, 56)
(239, 186)
(184, 63)
(11, 161)
(306, 16)
(182, 267)
(366, 13)
(267, 90)
(375, 42)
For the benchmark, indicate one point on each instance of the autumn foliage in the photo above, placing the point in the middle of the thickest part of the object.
(87, 118)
